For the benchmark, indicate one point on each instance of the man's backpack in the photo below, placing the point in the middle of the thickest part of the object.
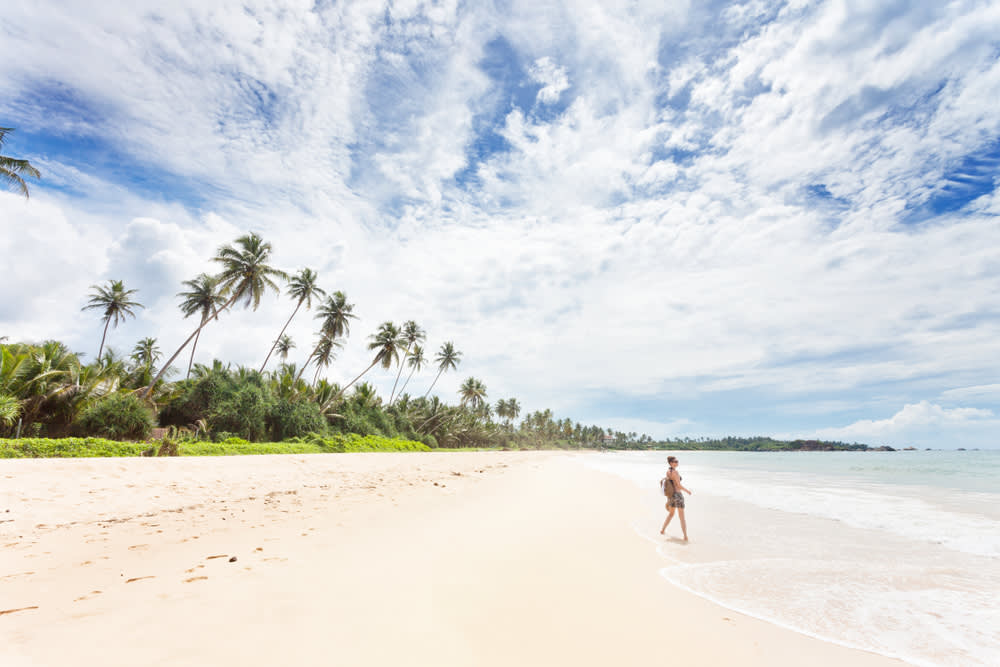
(667, 486)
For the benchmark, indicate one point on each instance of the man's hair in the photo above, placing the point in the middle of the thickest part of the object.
(671, 459)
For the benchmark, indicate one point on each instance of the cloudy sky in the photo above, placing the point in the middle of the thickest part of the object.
(678, 218)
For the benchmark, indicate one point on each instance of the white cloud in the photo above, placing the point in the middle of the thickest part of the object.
(552, 77)
(924, 424)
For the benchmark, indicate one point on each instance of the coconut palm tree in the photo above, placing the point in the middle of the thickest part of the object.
(12, 170)
(473, 393)
(115, 302)
(203, 297)
(416, 362)
(146, 352)
(336, 315)
(412, 334)
(385, 343)
(246, 276)
(324, 353)
(302, 287)
(447, 359)
(284, 346)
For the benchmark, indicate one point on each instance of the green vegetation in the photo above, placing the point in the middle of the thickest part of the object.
(47, 391)
(13, 170)
(98, 447)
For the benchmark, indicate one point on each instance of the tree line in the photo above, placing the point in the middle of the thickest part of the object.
(48, 390)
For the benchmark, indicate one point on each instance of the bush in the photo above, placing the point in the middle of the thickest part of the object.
(352, 442)
(244, 413)
(290, 419)
(119, 417)
(67, 448)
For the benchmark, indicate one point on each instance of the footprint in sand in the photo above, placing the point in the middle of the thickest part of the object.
(141, 547)
(148, 576)
(87, 596)
(188, 581)
(13, 611)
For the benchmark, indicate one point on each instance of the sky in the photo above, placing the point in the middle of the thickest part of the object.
(683, 219)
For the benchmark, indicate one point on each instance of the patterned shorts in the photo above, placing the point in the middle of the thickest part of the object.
(677, 500)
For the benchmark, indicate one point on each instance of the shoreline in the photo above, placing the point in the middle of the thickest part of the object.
(449, 558)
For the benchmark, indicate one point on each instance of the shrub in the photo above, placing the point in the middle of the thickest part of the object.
(289, 418)
(244, 413)
(67, 448)
(119, 417)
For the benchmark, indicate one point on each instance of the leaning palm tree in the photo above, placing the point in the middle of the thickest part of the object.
(336, 315)
(447, 359)
(302, 288)
(416, 362)
(324, 353)
(245, 276)
(116, 304)
(473, 393)
(12, 170)
(412, 334)
(284, 346)
(204, 298)
(385, 343)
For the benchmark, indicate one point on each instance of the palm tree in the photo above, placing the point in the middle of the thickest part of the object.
(447, 359)
(115, 301)
(324, 353)
(386, 343)
(473, 393)
(416, 363)
(412, 334)
(245, 276)
(203, 298)
(336, 314)
(285, 345)
(12, 171)
(146, 352)
(302, 288)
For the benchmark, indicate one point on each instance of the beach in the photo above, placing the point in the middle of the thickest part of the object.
(444, 558)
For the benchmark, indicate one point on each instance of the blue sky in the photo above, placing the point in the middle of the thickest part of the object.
(676, 218)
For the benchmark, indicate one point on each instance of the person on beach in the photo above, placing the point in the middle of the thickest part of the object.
(676, 502)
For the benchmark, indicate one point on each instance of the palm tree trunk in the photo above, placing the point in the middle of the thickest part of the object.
(400, 372)
(308, 359)
(316, 375)
(271, 351)
(193, 348)
(149, 390)
(105, 335)
(403, 388)
(348, 385)
(435, 382)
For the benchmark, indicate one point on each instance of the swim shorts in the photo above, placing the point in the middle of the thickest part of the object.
(677, 500)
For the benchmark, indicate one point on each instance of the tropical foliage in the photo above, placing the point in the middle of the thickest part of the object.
(47, 390)
(13, 170)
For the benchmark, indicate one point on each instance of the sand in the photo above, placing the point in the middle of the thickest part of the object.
(447, 558)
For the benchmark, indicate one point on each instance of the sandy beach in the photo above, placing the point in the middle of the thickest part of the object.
(480, 558)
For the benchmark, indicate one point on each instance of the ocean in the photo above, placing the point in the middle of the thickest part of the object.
(892, 552)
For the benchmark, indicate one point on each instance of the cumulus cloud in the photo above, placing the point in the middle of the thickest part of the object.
(552, 77)
(924, 424)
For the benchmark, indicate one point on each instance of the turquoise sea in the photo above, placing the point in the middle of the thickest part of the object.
(892, 552)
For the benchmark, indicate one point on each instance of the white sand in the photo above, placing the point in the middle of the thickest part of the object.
(351, 559)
